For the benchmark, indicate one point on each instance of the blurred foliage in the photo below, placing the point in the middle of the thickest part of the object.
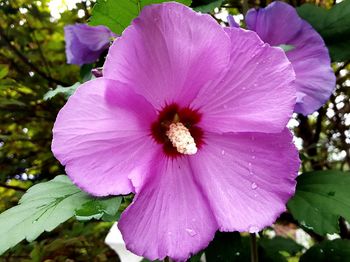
(233, 247)
(32, 47)
(335, 251)
(69, 242)
(33, 63)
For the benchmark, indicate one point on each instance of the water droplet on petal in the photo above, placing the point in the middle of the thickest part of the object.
(254, 186)
(191, 232)
(223, 152)
(253, 157)
(253, 229)
(169, 233)
(250, 168)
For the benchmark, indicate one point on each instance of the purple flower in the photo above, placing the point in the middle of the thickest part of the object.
(279, 24)
(231, 21)
(191, 117)
(85, 44)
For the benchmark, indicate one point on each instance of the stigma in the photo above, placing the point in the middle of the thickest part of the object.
(181, 139)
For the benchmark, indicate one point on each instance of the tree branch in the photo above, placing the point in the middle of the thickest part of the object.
(321, 114)
(310, 138)
(27, 62)
(17, 188)
(41, 53)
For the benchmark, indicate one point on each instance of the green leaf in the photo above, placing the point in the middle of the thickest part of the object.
(99, 208)
(321, 198)
(42, 208)
(208, 6)
(196, 258)
(85, 73)
(65, 91)
(234, 247)
(333, 25)
(117, 15)
(272, 249)
(228, 247)
(281, 244)
(336, 251)
(4, 70)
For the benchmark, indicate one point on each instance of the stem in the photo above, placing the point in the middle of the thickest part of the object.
(245, 7)
(253, 248)
(17, 188)
(138, 5)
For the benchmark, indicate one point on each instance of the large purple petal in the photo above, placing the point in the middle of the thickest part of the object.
(95, 37)
(279, 24)
(85, 44)
(257, 92)
(315, 79)
(169, 216)
(168, 53)
(102, 137)
(276, 24)
(247, 177)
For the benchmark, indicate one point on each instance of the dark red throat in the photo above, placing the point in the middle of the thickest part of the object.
(171, 114)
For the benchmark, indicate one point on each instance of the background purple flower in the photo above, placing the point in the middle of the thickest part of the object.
(85, 44)
(279, 24)
(231, 21)
(224, 88)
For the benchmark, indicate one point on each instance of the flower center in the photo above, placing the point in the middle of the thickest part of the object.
(176, 128)
(181, 138)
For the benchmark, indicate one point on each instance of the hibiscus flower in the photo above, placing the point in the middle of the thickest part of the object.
(191, 118)
(85, 44)
(280, 25)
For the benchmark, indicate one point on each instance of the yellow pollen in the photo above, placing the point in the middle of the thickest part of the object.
(181, 139)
